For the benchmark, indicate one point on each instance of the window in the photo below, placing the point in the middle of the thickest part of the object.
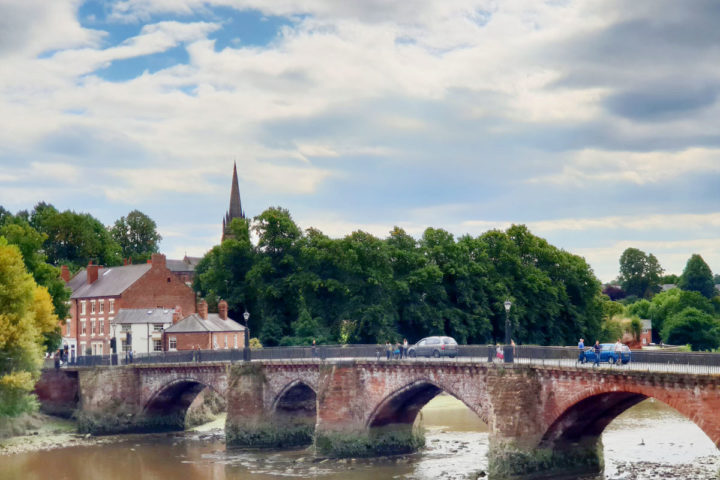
(82, 329)
(102, 306)
(215, 343)
(126, 328)
(157, 327)
(92, 307)
(102, 326)
(157, 345)
(68, 328)
(92, 326)
(97, 348)
(112, 305)
(226, 344)
(173, 343)
(83, 307)
(125, 346)
(82, 348)
(236, 344)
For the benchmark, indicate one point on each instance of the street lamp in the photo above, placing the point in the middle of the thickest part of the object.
(507, 304)
(246, 350)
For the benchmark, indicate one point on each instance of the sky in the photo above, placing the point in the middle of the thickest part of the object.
(595, 123)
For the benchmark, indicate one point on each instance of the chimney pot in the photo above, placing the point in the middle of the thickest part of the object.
(65, 273)
(223, 310)
(177, 314)
(158, 260)
(203, 309)
(92, 273)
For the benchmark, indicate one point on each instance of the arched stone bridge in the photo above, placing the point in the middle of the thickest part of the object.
(540, 418)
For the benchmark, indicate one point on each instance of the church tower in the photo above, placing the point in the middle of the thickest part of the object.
(235, 210)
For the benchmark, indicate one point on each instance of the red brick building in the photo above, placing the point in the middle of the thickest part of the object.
(206, 331)
(98, 294)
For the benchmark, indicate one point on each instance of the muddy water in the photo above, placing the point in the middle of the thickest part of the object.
(649, 441)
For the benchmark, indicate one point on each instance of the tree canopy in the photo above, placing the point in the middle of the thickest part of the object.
(694, 327)
(300, 286)
(698, 277)
(639, 273)
(137, 236)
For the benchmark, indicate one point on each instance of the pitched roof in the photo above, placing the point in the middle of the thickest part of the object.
(194, 323)
(111, 281)
(181, 265)
(143, 315)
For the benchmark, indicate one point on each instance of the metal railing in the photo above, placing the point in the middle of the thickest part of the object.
(566, 357)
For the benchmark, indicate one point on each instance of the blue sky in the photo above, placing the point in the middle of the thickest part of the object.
(593, 122)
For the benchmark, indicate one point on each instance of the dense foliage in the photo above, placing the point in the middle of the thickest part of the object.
(137, 236)
(639, 273)
(698, 277)
(299, 286)
(26, 317)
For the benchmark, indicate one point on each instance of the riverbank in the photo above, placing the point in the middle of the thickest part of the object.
(40, 432)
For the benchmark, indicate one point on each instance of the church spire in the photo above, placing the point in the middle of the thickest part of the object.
(235, 210)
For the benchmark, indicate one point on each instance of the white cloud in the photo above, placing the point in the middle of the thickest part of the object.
(640, 168)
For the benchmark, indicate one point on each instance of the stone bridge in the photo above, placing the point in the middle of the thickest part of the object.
(540, 418)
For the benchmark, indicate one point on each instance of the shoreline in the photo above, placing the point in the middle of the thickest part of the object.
(52, 433)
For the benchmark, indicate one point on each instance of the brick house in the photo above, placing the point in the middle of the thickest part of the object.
(99, 293)
(206, 331)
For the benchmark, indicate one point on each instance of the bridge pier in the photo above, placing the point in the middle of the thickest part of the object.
(253, 422)
(342, 410)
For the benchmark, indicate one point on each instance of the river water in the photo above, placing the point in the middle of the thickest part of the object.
(649, 441)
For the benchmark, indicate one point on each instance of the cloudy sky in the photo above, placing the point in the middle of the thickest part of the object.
(596, 123)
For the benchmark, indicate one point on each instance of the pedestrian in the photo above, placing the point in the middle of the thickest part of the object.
(499, 353)
(405, 348)
(131, 356)
(314, 349)
(512, 344)
(618, 351)
(581, 348)
(57, 360)
(388, 350)
(597, 349)
(396, 352)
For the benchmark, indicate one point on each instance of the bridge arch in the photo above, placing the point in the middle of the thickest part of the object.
(401, 406)
(168, 405)
(584, 417)
(294, 410)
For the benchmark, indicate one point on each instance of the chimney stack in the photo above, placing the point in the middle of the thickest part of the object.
(92, 273)
(177, 314)
(203, 309)
(222, 310)
(158, 260)
(65, 273)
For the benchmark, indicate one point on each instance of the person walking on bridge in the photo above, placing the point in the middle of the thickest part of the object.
(581, 348)
(597, 353)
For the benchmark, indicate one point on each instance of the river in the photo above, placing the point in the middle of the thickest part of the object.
(649, 441)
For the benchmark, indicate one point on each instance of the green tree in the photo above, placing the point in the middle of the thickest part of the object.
(137, 236)
(639, 273)
(640, 309)
(670, 279)
(74, 239)
(26, 315)
(273, 275)
(221, 273)
(666, 304)
(698, 277)
(694, 327)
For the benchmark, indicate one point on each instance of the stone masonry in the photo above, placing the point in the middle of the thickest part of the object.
(540, 418)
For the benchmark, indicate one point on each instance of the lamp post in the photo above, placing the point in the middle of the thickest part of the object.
(507, 304)
(246, 350)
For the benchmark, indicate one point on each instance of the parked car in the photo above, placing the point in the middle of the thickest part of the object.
(434, 347)
(607, 354)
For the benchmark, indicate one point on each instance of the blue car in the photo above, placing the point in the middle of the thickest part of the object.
(607, 354)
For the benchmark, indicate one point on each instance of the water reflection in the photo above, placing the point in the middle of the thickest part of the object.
(648, 441)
